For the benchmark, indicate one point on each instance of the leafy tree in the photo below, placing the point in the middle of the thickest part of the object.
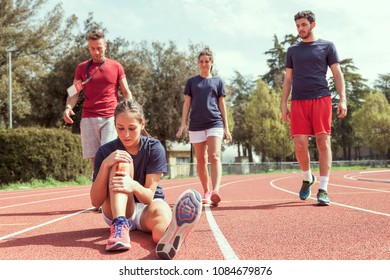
(240, 89)
(382, 84)
(342, 132)
(35, 45)
(270, 135)
(277, 63)
(165, 74)
(371, 123)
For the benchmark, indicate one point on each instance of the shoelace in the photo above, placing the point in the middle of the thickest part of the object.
(118, 228)
(305, 186)
(322, 194)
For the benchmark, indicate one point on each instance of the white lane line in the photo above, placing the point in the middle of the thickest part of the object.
(40, 201)
(375, 171)
(333, 203)
(355, 176)
(41, 194)
(224, 246)
(179, 186)
(359, 188)
(43, 224)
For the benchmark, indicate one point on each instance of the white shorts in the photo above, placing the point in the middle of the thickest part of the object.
(201, 135)
(135, 219)
(96, 132)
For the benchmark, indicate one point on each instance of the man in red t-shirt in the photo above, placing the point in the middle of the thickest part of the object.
(101, 77)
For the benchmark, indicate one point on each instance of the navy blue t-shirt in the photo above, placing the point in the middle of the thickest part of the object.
(310, 62)
(204, 93)
(149, 160)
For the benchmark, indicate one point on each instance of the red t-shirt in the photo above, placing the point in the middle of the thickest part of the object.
(101, 92)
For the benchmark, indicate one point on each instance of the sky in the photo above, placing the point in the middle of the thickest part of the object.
(240, 32)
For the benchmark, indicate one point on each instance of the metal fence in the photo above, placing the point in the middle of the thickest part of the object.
(189, 170)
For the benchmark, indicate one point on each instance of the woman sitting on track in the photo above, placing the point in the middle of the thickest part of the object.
(126, 184)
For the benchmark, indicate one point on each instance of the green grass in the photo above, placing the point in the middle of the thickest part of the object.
(48, 183)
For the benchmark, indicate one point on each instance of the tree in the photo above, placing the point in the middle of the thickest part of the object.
(35, 45)
(240, 89)
(342, 132)
(371, 123)
(270, 135)
(277, 63)
(382, 84)
(166, 72)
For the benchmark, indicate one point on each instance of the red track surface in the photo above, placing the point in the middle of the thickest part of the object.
(259, 218)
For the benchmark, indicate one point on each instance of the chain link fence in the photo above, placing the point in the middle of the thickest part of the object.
(190, 170)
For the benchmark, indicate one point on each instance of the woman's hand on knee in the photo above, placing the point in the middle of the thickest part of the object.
(118, 156)
(122, 182)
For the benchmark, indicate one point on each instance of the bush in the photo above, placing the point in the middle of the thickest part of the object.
(40, 153)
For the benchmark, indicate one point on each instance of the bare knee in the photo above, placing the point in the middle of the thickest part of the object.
(160, 226)
(300, 146)
(323, 144)
(157, 220)
(214, 158)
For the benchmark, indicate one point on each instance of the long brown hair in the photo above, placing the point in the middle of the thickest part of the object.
(133, 107)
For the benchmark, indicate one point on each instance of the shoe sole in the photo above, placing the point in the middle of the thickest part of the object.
(118, 246)
(215, 199)
(323, 203)
(186, 213)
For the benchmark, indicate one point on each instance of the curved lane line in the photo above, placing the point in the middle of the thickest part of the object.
(5, 237)
(356, 177)
(333, 203)
(359, 188)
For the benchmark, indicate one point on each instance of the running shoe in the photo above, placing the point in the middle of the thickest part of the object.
(323, 198)
(186, 213)
(206, 197)
(305, 191)
(119, 237)
(215, 198)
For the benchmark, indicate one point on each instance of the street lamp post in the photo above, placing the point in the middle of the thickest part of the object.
(10, 87)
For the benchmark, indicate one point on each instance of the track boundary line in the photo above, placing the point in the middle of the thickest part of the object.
(40, 194)
(356, 176)
(227, 251)
(40, 201)
(5, 237)
(333, 203)
(359, 188)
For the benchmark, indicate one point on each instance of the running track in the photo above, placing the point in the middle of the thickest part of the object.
(260, 218)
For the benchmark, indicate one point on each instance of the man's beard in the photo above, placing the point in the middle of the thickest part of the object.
(309, 33)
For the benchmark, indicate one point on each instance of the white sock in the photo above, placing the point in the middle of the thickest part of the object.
(324, 180)
(307, 176)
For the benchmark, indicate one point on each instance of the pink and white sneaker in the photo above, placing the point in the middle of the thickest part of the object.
(119, 235)
(186, 214)
(206, 197)
(215, 198)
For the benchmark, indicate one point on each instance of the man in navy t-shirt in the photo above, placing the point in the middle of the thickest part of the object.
(310, 114)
